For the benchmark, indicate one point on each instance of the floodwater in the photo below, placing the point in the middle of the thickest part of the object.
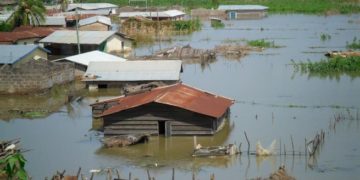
(272, 102)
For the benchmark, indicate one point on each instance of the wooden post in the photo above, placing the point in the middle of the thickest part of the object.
(109, 174)
(118, 174)
(129, 175)
(193, 175)
(195, 142)
(78, 173)
(284, 150)
(305, 148)
(92, 176)
(292, 144)
(247, 142)
(280, 146)
(173, 173)
(148, 174)
(212, 176)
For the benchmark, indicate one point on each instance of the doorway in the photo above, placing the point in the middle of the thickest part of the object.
(161, 127)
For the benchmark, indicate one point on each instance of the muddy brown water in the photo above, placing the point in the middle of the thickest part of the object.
(273, 102)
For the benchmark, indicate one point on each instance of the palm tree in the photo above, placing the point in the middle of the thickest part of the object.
(29, 12)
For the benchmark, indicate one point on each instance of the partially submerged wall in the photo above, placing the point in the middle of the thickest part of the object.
(34, 76)
(206, 14)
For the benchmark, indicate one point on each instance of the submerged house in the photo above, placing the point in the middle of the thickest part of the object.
(171, 110)
(25, 35)
(244, 11)
(95, 23)
(82, 61)
(122, 74)
(93, 7)
(18, 54)
(65, 42)
(172, 15)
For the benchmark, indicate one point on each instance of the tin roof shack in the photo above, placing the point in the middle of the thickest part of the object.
(65, 42)
(83, 60)
(131, 73)
(25, 35)
(18, 54)
(244, 11)
(171, 110)
(171, 15)
(95, 23)
(54, 21)
(93, 7)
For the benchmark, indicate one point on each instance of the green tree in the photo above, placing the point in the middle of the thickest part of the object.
(64, 4)
(29, 12)
(13, 166)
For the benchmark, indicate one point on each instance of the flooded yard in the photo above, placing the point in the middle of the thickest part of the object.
(272, 101)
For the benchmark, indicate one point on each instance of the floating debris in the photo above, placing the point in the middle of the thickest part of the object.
(260, 151)
(230, 149)
(125, 140)
(343, 54)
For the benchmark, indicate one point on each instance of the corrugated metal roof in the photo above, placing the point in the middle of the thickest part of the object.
(92, 56)
(178, 95)
(153, 14)
(90, 6)
(242, 7)
(25, 32)
(54, 21)
(10, 54)
(86, 37)
(84, 13)
(95, 19)
(147, 70)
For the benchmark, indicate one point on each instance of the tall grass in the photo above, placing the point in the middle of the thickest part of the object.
(355, 44)
(262, 43)
(278, 6)
(332, 65)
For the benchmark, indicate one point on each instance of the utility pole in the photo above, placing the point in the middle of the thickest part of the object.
(77, 30)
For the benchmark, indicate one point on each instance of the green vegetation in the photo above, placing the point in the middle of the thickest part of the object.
(325, 37)
(347, 65)
(13, 167)
(355, 44)
(34, 114)
(4, 26)
(277, 6)
(262, 43)
(217, 24)
(29, 12)
(187, 25)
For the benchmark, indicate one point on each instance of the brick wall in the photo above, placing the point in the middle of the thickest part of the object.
(34, 76)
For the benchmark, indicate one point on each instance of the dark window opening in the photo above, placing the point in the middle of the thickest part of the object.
(161, 127)
(102, 86)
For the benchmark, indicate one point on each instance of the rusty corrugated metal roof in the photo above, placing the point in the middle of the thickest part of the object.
(178, 95)
(25, 32)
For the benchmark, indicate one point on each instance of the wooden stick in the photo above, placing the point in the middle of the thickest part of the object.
(148, 173)
(247, 142)
(284, 150)
(173, 173)
(109, 174)
(292, 144)
(193, 175)
(118, 174)
(305, 148)
(92, 176)
(212, 176)
(129, 175)
(78, 173)
(280, 146)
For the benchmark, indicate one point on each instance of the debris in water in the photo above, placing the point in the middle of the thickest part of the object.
(260, 151)
(125, 140)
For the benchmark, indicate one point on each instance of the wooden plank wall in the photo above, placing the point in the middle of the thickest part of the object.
(144, 119)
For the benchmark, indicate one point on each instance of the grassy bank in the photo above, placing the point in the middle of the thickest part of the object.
(277, 6)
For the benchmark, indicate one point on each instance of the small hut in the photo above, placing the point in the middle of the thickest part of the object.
(170, 110)
(95, 23)
(244, 11)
